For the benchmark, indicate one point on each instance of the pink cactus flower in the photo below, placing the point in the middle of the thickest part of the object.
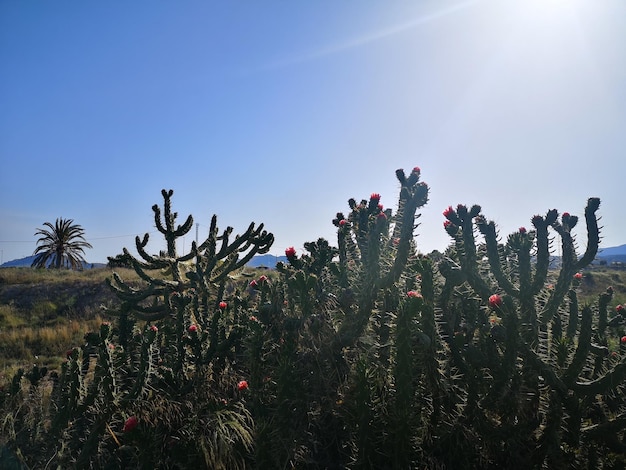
(130, 424)
(495, 301)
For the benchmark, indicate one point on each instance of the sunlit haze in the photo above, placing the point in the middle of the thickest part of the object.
(279, 112)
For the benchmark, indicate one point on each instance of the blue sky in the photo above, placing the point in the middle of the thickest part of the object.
(279, 112)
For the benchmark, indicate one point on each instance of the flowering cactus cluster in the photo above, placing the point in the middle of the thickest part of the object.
(367, 354)
(536, 368)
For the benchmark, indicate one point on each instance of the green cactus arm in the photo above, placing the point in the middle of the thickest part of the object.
(208, 246)
(189, 256)
(603, 302)
(418, 199)
(151, 262)
(183, 229)
(169, 232)
(469, 262)
(241, 262)
(599, 350)
(126, 292)
(604, 383)
(545, 370)
(252, 242)
(543, 255)
(225, 247)
(157, 212)
(259, 239)
(153, 281)
(572, 324)
(610, 427)
(488, 229)
(582, 349)
(152, 313)
(566, 274)
(593, 233)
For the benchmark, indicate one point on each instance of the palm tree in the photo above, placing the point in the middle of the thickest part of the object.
(61, 246)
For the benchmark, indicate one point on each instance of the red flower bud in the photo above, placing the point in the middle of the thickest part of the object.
(448, 212)
(495, 301)
(375, 197)
(522, 230)
(623, 340)
(130, 424)
(243, 385)
(253, 283)
(290, 252)
(578, 276)
(223, 305)
(192, 328)
(342, 222)
(414, 294)
(263, 278)
(154, 328)
(416, 169)
(619, 308)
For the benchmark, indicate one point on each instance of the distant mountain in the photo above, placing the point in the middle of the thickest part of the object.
(608, 255)
(267, 261)
(614, 255)
(612, 251)
(28, 261)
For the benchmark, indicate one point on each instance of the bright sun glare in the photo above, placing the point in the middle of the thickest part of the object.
(551, 8)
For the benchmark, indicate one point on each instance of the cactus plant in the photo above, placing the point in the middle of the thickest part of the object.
(369, 354)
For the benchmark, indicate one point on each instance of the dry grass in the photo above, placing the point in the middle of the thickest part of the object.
(596, 280)
(44, 312)
(37, 276)
(44, 346)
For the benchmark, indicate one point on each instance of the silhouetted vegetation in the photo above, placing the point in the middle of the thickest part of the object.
(366, 354)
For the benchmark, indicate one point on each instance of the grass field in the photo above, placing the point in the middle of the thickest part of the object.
(43, 313)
